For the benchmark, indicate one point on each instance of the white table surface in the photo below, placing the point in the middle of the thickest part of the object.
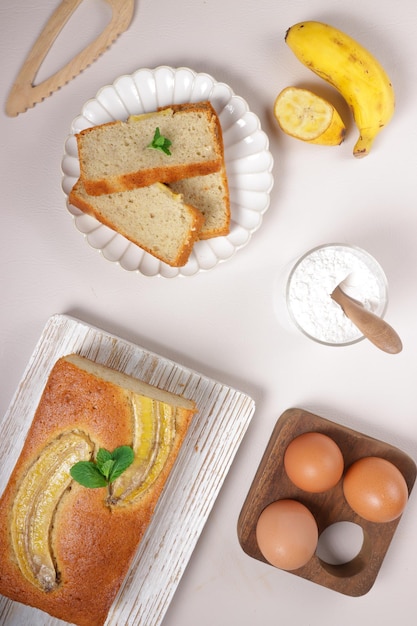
(223, 322)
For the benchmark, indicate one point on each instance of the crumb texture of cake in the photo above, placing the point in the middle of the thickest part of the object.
(116, 156)
(210, 195)
(65, 548)
(154, 218)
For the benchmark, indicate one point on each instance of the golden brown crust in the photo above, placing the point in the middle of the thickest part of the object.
(93, 545)
(143, 178)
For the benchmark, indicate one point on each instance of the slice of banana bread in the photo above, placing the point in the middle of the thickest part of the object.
(154, 218)
(117, 156)
(210, 195)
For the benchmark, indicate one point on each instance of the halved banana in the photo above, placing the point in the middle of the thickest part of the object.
(36, 501)
(302, 114)
(154, 431)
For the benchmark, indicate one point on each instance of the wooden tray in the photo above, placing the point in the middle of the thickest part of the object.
(271, 483)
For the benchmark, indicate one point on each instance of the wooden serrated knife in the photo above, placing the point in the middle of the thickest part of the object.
(24, 94)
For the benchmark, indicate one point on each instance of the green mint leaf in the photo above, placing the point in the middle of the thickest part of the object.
(103, 456)
(88, 475)
(159, 142)
(158, 139)
(122, 457)
(106, 468)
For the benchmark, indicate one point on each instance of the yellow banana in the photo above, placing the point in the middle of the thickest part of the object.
(36, 501)
(154, 431)
(302, 114)
(352, 70)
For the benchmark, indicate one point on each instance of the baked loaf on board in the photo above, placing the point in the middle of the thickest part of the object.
(153, 217)
(66, 548)
(116, 156)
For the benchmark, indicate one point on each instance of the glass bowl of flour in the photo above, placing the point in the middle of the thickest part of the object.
(314, 277)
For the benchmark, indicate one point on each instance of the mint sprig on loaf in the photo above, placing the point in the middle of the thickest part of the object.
(105, 469)
(159, 142)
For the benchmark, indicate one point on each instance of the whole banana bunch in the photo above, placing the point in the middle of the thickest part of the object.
(352, 70)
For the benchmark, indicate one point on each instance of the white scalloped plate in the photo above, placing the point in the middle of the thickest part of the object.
(248, 163)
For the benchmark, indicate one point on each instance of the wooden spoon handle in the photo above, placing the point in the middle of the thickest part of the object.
(374, 328)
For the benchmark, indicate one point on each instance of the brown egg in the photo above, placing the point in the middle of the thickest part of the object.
(287, 534)
(375, 489)
(313, 462)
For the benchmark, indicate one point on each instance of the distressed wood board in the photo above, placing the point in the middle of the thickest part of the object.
(214, 437)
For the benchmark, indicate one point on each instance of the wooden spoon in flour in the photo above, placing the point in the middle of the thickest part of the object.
(374, 328)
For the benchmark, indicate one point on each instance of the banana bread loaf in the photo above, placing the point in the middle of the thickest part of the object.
(66, 548)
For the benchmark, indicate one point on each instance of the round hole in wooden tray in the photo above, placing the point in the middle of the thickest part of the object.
(340, 543)
(356, 577)
(351, 569)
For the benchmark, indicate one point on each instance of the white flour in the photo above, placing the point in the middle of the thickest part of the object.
(315, 277)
